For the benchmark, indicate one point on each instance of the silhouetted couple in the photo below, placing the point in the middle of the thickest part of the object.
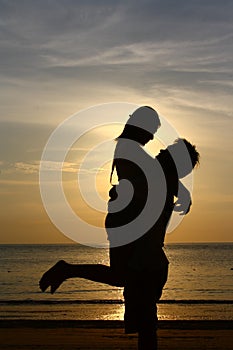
(139, 210)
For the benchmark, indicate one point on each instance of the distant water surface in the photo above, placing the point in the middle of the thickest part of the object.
(200, 284)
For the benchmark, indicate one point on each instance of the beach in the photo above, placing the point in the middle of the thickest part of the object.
(100, 335)
(195, 311)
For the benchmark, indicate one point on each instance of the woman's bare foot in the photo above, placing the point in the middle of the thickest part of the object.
(54, 277)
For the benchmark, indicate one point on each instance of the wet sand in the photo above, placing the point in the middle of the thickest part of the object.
(100, 335)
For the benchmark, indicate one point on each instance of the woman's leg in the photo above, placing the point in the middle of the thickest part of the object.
(61, 271)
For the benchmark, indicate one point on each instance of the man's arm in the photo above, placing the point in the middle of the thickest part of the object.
(184, 201)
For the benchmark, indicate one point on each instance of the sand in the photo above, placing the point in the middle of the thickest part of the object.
(72, 335)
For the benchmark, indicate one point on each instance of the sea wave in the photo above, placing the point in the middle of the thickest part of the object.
(109, 301)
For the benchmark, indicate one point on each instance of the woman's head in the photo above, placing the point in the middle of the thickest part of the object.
(141, 125)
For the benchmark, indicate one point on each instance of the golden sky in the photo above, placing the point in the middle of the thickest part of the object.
(59, 57)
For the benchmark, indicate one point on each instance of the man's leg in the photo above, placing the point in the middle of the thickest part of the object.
(147, 339)
(147, 335)
(142, 291)
(140, 311)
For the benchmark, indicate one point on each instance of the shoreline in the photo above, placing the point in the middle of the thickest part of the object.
(105, 324)
(103, 335)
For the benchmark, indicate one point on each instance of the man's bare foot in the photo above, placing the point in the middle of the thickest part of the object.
(54, 277)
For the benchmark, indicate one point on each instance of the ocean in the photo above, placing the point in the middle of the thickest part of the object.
(199, 287)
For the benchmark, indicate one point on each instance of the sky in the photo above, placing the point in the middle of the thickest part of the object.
(60, 57)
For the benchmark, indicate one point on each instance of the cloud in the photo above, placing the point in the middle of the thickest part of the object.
(26, 168)
(35, 32)
(60, 56)
(22, 144)
(22, 141)
(90, 51)
(33, 167)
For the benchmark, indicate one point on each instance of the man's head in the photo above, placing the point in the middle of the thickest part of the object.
(185, 156)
